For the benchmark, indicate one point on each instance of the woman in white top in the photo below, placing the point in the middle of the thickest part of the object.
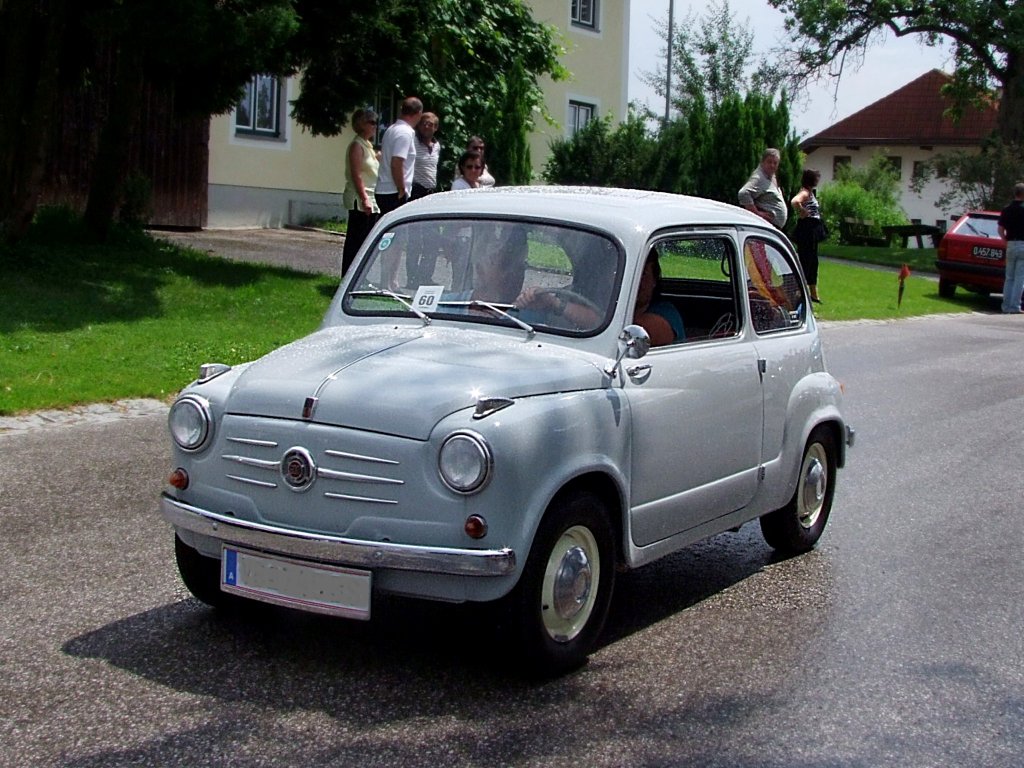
(471, 165)
(476, 144)
(361, 169)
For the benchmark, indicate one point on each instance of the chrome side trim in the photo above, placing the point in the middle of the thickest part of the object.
(252, 441)
(335, 549)
(258, 463)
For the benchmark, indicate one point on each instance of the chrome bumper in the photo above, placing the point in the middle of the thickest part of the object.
(335, 549)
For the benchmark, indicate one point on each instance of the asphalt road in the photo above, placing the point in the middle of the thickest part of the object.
(896, 643)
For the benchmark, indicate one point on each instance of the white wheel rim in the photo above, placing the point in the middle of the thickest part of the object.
(571, 579)
(813, 485)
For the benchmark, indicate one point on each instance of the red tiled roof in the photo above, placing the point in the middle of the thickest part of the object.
(913, 114)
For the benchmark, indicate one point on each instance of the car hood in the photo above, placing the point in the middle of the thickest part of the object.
(403, 381)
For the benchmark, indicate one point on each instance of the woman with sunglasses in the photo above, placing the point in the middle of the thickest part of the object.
(476, 144)
(471, 166)
(361, 168)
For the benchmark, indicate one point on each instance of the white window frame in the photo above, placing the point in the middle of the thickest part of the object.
(578, 108)
(259, 113)
(585, 13)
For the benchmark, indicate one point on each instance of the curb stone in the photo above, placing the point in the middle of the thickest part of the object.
(80, 414)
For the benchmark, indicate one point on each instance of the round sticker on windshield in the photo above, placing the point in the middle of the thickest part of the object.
(385, 241)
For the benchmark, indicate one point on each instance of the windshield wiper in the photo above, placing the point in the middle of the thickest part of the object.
(499, 311)
(375, 291)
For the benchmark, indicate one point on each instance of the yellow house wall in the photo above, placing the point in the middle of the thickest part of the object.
(598, 61)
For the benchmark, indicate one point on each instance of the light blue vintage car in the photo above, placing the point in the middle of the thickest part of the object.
(507, 402)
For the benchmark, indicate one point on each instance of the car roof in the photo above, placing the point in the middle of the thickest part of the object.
(622, 211)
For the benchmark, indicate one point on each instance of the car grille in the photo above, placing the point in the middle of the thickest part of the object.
(345, 465)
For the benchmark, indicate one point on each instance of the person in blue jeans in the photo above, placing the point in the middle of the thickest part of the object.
(1011, 229)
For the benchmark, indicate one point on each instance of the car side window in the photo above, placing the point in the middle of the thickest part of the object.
(774, 291)
(698, 280)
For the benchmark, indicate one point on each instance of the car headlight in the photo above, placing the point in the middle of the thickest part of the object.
(189, 422)
(465, 462)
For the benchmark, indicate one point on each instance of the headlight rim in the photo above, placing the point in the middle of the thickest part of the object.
(201, 406)
(486, 460)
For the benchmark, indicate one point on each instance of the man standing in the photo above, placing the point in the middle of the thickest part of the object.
(761, 193)
(1011, 229)
(397, 166)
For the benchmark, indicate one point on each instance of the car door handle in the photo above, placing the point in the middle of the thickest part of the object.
(635, 371)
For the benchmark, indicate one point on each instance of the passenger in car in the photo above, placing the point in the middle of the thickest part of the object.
(658, 316)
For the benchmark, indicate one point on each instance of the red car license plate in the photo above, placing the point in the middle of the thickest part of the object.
(987, 252)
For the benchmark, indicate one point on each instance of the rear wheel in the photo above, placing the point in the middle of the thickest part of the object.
(947, 289)
(561, 602)
(796, 527)
(201, 574)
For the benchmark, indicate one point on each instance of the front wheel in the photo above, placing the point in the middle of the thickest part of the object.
(559, 607)
(796, 527)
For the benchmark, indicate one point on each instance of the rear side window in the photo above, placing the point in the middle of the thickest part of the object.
(978, 226)
(774, 290)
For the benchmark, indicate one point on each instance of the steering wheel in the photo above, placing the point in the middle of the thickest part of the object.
(575, 298)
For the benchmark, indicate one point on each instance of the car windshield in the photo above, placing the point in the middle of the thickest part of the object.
(978, 226)
(531, 275)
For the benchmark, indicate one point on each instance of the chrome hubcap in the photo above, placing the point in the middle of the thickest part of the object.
(570, 584)
(813, 486)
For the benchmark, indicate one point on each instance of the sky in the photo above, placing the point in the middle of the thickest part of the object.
(886, 67)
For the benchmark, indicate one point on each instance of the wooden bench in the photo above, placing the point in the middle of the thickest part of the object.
(860, 232)
(917, 231)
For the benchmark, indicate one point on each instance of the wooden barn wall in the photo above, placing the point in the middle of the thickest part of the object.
(170, 151)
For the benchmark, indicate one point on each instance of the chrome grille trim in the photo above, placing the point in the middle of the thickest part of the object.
(250, 462)
(334, 474)
(250, 481)
(348, 497)
(252, 441)
(358, 457)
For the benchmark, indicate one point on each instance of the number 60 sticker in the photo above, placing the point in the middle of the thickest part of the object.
(427, 297)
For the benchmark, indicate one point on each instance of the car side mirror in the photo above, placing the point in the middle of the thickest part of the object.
(634, 343)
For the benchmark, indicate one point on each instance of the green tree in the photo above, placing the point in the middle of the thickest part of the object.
(713, 59)
(476, 63)
(986, 37)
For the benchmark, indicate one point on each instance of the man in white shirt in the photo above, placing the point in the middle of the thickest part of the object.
(398, 157)
(397, 166)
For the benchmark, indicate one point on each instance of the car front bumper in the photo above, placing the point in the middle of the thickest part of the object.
(336, 550)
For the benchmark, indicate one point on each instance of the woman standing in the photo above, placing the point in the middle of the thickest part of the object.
(810, 229)
(476, 144)
(361, 167)
(471, 166)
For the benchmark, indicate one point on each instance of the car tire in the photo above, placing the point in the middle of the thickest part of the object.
(200, 574)
(557, 610)
(947, 288)
(796, 527)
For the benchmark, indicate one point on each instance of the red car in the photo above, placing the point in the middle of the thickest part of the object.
(972, 255)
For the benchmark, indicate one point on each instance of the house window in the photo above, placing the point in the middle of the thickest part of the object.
(897, 166)
(838, 163)
(580, 113)
(921, 169)
(584, 13)
(259, 111)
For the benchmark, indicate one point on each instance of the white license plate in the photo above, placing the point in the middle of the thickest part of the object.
(308, 587)
(985, 252)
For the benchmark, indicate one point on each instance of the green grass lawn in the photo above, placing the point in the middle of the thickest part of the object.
(136, 317)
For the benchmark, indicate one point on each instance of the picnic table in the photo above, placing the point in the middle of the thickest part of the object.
(860, 232)
(917, 231)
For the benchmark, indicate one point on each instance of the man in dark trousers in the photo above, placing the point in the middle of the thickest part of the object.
(1011, 229)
